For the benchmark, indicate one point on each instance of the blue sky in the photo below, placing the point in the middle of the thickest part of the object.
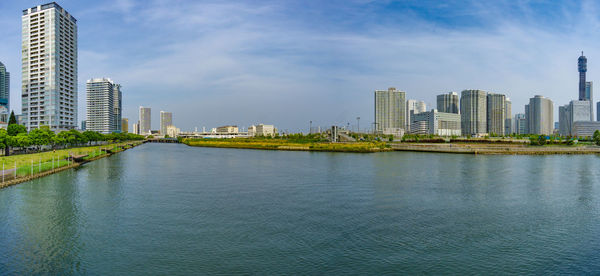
(213, 63)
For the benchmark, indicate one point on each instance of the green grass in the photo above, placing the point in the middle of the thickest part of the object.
(38, 168)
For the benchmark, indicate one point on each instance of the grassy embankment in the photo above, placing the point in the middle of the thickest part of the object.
(45, 161)
(287, 144)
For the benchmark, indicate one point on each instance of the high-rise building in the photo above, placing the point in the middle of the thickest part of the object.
(496, 113)
(589, 95)
(413, 107)
(4, 87)
(540, 115)
(582, 68)
(508, 121)
(473, 112)
(136, 128)
(597, 112)
(448, 103)
(124, 125)
(390, 110)
(49, 70)
(520, 123)
(83, 125)
(166, 119)
(117, 107)
(102, 106)
(145, 121)
(564, 121)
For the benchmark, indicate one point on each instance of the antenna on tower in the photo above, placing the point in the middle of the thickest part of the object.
(582, 53)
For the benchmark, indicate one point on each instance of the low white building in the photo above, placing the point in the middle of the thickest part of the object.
(437, 123)
(173, 131)
(262, 130)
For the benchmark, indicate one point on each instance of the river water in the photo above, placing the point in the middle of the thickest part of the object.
(168, 209)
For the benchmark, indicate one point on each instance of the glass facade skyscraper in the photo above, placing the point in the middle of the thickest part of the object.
(4, 87)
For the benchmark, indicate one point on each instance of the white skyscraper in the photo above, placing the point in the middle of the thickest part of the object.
(145, 121)
(117, 108)
(390, 110)
(100, 115)
(49, 76)
(166, 119)
(103, 105)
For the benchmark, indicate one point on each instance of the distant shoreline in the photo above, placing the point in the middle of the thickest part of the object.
(372, 147)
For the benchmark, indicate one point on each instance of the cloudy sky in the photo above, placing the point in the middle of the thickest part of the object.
(289, 62)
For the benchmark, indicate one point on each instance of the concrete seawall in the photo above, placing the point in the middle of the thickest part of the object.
(11, 180)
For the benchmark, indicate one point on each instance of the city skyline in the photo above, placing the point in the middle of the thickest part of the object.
(319, 72)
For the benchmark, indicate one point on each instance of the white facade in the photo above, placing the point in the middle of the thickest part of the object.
(172, 131)
(49, 69)
(437, 123)
(390, 110)
(136, 128)
(473, 111)
(101, 106)
(585, 128)
(262, 130)
(166, 119)
(145, 120)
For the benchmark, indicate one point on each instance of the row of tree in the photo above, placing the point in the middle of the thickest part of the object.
(16, 136)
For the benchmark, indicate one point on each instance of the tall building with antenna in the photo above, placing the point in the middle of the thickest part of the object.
(582, 68)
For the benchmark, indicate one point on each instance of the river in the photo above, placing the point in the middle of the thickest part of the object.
(170, 209)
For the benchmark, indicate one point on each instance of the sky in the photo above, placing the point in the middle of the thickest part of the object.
(287, 63)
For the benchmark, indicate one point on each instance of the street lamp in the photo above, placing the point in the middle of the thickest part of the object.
(358, 124)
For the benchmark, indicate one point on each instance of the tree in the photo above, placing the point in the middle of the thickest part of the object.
(596, 137)
(14, 129)
(13, 118)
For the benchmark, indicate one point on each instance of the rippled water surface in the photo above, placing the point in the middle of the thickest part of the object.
(168, 209)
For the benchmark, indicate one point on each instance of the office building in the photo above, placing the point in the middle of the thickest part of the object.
(436, 123)
(520, 123)
(172, 131)
(4, 87)
(49, 69)
(413, 107)
(145, 121)
(508, 121)
(448, 103)
(117, 107)
(262, 130)
(598, 113)
(564, 121)
(540, 115)
(227, 129)
(390, 110)
(166, 119)
(124, 125)
(589, 94)
(83, 125)
(473, 112)
(496, 113)
(101, 106)
(136, 128)
(585, 128)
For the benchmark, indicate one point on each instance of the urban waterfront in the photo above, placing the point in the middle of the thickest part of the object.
(171, 209)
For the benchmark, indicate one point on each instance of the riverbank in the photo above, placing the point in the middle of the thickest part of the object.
(282, 144)
(506, 149)
(25, 167)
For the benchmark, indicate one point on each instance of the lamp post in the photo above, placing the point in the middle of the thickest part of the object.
(358, 124)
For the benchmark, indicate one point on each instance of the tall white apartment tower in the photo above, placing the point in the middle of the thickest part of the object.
(103, 97)
(49, 68)
(117, 108)
(390, 110)
(145, 123)
(166, 119)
